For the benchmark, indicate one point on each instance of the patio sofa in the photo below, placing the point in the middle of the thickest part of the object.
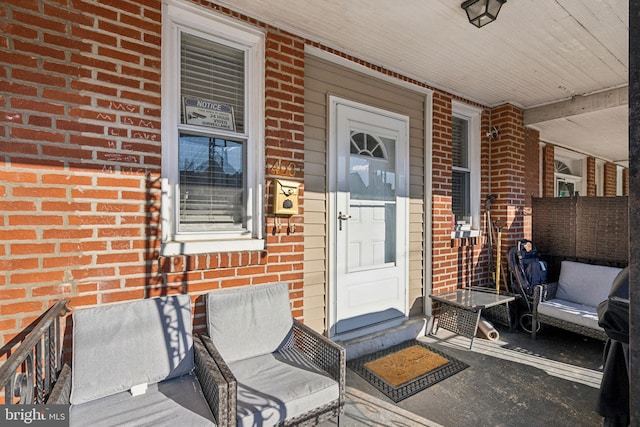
(571, 302)
(137, 363)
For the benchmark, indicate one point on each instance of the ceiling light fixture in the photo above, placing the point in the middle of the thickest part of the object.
(482, 12)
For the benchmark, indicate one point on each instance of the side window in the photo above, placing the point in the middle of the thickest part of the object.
(212, 139)
(465, 192)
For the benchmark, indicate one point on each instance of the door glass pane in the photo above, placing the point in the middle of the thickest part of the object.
(372, 191)
(565, 188)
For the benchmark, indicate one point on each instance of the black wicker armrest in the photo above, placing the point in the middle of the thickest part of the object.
(61, 392)
(325, 353)
(232, 387)
(544, 292)
(213, 383)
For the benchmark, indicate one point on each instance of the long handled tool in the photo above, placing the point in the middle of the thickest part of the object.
(499, 256)
(500, 273)
(487, 204)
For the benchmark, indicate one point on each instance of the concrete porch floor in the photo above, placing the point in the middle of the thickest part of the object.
(515, 381)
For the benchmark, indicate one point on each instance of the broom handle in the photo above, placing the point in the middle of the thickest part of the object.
(499, 257)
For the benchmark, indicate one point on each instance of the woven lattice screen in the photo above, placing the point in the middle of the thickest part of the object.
(590, 228)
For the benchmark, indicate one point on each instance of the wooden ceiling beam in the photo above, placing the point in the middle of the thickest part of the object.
(580, 104)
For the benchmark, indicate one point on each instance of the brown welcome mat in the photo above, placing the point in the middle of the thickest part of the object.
(406, 369)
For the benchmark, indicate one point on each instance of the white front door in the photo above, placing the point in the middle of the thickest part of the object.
(369, 215)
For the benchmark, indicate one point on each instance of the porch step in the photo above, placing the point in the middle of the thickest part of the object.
(409, 329)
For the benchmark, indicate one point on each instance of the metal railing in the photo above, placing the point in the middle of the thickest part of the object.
(29, 373)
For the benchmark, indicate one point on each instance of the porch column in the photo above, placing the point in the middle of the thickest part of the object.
(634, 205)
(508, 165)
(591, 176)
(548, 170)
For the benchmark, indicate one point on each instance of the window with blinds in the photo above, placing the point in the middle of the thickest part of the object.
(461, 174)
(211, 164)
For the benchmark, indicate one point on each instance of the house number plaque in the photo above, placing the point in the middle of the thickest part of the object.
(280, 167)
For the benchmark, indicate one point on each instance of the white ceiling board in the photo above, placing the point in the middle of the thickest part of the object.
(537, 52)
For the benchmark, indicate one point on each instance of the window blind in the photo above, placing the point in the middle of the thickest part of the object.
(213, 72)
(460, 146)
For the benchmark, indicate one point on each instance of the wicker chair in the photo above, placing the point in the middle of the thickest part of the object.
(137, 362)
(279, 371)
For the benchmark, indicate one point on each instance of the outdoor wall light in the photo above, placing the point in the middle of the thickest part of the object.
(482, 12)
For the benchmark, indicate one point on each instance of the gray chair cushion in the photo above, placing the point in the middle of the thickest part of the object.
(175, 402)
(278, 386)
(585, 283)
(119, 346)
(249, 321)
(568, 311)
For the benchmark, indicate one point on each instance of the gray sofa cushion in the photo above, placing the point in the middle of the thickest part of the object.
(175, 402)
(121, 345)
(585, 283)
(249, 321)
(278, 386)
(568, 311)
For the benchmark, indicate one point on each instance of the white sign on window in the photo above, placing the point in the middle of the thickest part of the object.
(209, 114)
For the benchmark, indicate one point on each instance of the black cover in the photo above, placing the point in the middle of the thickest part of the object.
(613, 313)
(613, 317)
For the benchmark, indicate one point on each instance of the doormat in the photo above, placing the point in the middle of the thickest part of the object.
(406, 369)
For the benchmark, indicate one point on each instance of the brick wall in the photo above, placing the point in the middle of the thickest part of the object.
(445, 259)
(80, 129)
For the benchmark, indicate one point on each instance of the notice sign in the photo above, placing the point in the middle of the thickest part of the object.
(209, 114)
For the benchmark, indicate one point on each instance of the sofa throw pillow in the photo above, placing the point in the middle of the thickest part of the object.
(585, 284)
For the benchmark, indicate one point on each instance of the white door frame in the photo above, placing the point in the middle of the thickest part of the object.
(333, 167)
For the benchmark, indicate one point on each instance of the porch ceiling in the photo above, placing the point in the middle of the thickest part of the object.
(565, 62)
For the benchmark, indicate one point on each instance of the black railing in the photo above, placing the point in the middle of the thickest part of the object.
(29, 373)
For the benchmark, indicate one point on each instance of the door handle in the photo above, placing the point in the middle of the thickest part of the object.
(342, 217)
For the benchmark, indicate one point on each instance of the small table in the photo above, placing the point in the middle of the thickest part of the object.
(461, 309)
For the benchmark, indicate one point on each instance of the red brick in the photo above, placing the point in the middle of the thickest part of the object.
(16, 220)
(11, 294)
(48, 192)
(54, 290)
(122, 296)
(19, 206)
(90, 245)
(21, 308)
(32, 248)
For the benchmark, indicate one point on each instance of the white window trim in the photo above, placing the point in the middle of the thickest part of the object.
(473, 116)
(176, 16)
